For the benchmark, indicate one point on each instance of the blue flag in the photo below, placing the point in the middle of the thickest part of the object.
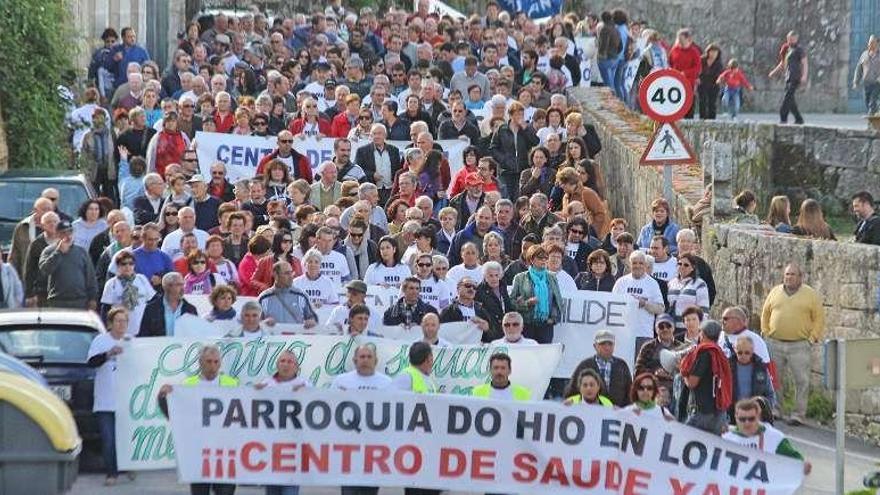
(535, 9)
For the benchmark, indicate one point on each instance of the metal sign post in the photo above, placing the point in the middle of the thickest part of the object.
(665, 96)
(840, 421)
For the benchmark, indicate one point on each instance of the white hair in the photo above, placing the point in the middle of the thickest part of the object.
(313, 253)
(492, 266)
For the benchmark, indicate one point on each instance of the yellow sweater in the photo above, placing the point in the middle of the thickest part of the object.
(799, 316)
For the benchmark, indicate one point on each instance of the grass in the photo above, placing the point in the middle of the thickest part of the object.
(842, 226)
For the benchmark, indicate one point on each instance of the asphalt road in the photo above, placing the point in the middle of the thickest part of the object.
(840, 120)
(817, 446)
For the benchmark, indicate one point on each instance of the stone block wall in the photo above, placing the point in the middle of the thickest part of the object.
(4, 149)
(826, 164)
(752, 31)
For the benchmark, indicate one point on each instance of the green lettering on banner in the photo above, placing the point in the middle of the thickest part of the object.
(152, 443)
(398, 361)
(334, 363)
(142, 404)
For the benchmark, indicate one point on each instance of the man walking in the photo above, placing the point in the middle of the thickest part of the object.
(792, 319)
(70, 273)
(794, 63)
(707, 374)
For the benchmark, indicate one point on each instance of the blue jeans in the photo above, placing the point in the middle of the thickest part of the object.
(607, 69)
(872, 94)
(620, 79)
(282, 490)
(107, 428)
(732, 99)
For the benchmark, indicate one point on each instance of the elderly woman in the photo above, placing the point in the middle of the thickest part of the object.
(536, 296)
(222, 298)
(128, 290)
(199, 279)
(320, 288)
(685, 290)
(598, 277)
(492, 294)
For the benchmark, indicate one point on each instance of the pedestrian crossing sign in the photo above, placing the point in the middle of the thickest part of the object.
(668, 147)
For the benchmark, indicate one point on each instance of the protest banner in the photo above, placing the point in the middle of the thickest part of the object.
(143, 440)
(241, 154)
(586, 52)
(394, 439)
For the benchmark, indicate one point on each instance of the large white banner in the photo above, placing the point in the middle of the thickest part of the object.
(143, 440)
(242, 154)
(394, 439)
(586, 52)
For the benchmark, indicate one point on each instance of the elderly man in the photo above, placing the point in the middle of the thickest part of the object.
(409, 309)
(204, 205)
(706, 373)
(735, 324)
(219, 186)
(209, 374)
(70, 273)
(512, 325)
(751, 432)
(187, 218)
(466, 309)
(792, 319)
(474, 232)
(35, 288)
(751, 377)
(364, 376)
(468, 201)
(639, 285)
(512, 231)
(297, 164)
(459, 126)
(150, 261)
(148, 206)
(328, 190)
(283, 303)
(539, 216)
(26, 231)
(431, 330)
(163, 311)
(613, 370)
(380, 161)
(648, 360)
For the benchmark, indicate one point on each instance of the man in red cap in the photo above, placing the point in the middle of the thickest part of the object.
(467, 202)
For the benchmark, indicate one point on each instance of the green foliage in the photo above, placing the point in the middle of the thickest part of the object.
(864, 491)
(36, 53)
(820, 407)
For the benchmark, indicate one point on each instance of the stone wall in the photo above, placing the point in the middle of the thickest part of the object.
(747, 261)
(4, 149)
(826, 164)
(752, 31)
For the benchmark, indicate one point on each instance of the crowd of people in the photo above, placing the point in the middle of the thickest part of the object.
(498, 244)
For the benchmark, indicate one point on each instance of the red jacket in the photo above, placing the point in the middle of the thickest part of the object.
(687, 61)
(297, 126)
(224, 124)
(340, 126)
(720, 372)
(303, 167)
(734, 78)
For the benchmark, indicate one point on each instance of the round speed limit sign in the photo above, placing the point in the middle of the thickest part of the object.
(665, 95)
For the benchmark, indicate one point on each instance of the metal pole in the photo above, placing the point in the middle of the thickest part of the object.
(840, 423)
(667, 184)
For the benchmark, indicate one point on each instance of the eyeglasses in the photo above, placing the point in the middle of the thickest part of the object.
(170, 213)
(576, 231)
(425, 265)
(646, 387)
(365, 117)
(356, 234)
(664, 325)
(508, 325)
(285, 141)
(746, 419)
(260, 123)
(198, 262)
(686, 265)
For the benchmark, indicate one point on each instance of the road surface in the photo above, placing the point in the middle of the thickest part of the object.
(816, 445)
(839, 120)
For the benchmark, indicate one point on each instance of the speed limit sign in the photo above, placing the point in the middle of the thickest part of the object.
(665, 95)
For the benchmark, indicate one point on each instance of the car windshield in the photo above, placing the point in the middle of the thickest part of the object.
(17, 198)
(48, 345)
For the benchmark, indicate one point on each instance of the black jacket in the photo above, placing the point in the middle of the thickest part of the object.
(705, 272)
(621, 380)
(585, 248)
(452, 313)
(494, 307)
(761, 382)
(447, 130)
(206, 213)
(464, 213)
(365, 157)
(143, 210)
(396, 314)
(98, 244)
(153, 322)
(512, 152)
(869, 233)
(587, 281)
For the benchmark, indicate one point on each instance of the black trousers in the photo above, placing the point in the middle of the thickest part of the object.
(420, 491)
(208, 488)
(708, 95)
(789, 105)
(359, 490)
(542, 332)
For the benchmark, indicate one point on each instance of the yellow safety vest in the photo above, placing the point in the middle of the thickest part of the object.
(419, 384)
(605, 401)
(520, 393)
(225, 381)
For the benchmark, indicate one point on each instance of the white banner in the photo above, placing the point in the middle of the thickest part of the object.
(394, 439)
(586, 51)
(143, 440)
(242, 154)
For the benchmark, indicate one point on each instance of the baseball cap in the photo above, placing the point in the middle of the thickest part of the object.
(329, 83)
(603, 336)
(196, 178)
(63, 226)
(322, 66)
(473, 179)
(664, 318)
(357, 285)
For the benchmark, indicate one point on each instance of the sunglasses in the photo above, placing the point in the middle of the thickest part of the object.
(425, 265)
(746, 419)
(286, 141)
(170, 213)
(356, 234)
(646, 387)
(365, 117)
(199, 262)
(577, 231)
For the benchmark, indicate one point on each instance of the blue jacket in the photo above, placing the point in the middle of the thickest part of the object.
(647, 233)
(134, 53)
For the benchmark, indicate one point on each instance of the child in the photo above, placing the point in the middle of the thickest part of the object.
(475, 98)
(733, 79)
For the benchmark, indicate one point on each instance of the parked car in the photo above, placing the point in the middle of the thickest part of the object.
(20, 188)
(11, 364)
(56, 343)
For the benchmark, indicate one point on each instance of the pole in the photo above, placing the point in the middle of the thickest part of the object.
(840, 422)
(667, 184)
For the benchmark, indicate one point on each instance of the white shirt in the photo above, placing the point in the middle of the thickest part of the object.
(227, 271)
(316, 89)
(272, 382)
(571, 249)
(113, 296)
(335, 267)
(320, 291)
(566, 283)
(760, 346)
(436, 292)
(459, 272)
(380, 274)
(105, 375)
(521, 341)
(666, 270)
(354, 381)
(645, 287)
(338, 319)
(383, 168)
(171, 244)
